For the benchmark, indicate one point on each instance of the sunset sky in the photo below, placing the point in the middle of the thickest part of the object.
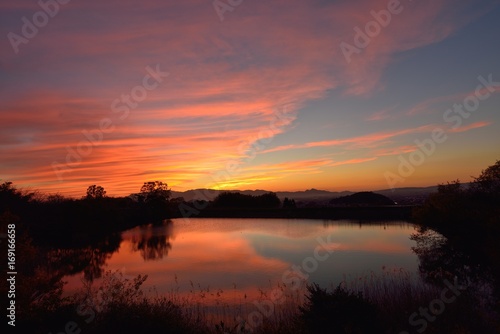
(275, 95)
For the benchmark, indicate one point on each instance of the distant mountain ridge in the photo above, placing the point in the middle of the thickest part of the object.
(407, 195)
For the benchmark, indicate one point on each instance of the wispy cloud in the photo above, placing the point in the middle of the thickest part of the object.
(226, 83)
(380, 115)
(395, 150)
(359, 141)
(353, 161)
(469, 127)
(441, 103)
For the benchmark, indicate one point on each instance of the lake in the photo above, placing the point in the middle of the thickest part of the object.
(234, 261)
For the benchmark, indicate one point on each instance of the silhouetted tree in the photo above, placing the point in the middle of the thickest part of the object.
(232, 200)
(453, 206)
(177, 200)
(13, 199)
(289, 203)
(488, 183)
(155, 191)
(8, 188)
(95, 192)
(453, 188)
(56, 198)
(155, 195)
(447, 205)
(268, 200)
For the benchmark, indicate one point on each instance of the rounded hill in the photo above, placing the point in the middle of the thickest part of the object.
(363, 198)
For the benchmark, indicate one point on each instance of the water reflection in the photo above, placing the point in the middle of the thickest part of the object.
(367, 223)
(152, 241)
(474, 261)
(89, 260)
(233, 262)
(241, 256)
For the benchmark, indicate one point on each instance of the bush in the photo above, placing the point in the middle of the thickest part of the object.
(340, 311)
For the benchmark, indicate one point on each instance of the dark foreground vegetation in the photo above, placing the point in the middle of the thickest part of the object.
(391, 304)
(57, 236)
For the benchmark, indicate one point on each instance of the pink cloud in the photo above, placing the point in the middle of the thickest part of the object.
(360, 141)
(469, 127)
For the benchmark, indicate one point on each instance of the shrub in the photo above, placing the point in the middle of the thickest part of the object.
(340, 311)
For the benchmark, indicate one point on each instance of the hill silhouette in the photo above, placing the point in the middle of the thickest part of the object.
(314, 197)
(363, 198)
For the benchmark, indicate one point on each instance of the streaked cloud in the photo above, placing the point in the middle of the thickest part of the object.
(360, 141)
(469, 127)
(227, 82)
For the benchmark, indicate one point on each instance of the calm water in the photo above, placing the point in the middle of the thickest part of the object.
(234, 259)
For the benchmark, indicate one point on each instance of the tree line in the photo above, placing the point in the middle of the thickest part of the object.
(59, 219)
(455, 206)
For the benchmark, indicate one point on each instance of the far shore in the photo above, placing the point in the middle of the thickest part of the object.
(346, 212)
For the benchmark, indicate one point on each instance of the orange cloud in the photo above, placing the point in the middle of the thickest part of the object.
(395, 151)
(353, 161)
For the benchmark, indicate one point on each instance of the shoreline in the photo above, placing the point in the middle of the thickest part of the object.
(347, 212)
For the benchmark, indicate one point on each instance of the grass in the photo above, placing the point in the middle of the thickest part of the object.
(366, 304)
